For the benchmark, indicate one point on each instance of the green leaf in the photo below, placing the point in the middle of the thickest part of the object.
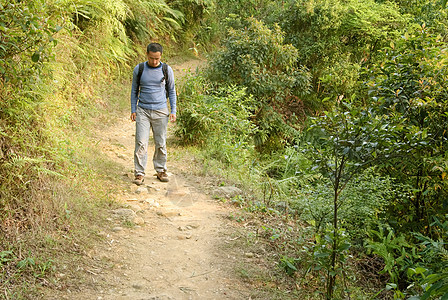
(420, 270)
(35, 57)
(291, 266)
(26, 262)
(321, 254)
(344, 247)
(390, 286)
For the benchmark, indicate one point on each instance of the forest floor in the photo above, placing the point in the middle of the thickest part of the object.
(167, 240)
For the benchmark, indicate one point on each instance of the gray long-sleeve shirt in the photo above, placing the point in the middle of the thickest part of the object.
(152, 94)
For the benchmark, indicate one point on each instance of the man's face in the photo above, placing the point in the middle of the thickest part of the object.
(154, 58)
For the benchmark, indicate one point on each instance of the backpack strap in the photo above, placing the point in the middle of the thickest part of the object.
(141, 67)
(166, 77)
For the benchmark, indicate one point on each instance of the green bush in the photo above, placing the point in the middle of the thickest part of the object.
(255, 57)
(194, 13)
(433, 13)
(27, 39)
(409, 90)
(363, 204)
(334, 39)
(217, 120)
(26, 156)
(146, 21)
(417, 267)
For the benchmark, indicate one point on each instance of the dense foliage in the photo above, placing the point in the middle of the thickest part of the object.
(410, 91)
(332, 113)
(256, 58)
(337, 38)
(350, 127)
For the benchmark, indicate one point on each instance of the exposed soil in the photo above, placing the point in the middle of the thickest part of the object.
(179, 248)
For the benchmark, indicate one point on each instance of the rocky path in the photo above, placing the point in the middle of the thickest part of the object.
(168, 241)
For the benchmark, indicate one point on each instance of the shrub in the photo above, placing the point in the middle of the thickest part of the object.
(363, 204)
(410, 91)
(334, 39)
(255, 57)
(218, 120)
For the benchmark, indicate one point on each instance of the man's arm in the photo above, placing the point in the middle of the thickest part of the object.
(134, 93)
(172, 94)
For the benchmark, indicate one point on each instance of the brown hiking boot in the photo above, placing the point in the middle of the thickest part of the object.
(162, 176)
(139, 180)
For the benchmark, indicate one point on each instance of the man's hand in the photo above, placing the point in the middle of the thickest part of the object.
(133, 117)
(172, 118)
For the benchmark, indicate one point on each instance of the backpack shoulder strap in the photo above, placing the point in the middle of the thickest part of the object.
(141, 66)
(167, 78)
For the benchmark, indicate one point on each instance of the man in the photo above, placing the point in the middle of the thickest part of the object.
(149, 109)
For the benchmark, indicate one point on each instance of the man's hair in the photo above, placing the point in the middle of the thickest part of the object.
(154, 47)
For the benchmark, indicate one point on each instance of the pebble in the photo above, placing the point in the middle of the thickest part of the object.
(139, 221)
(124, 212)
(228, 191)
(142, 190)
(151, 202)
(168, 214)
(122, 156)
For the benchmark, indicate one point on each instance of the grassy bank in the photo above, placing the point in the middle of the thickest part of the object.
(58, 85)
(55, 192)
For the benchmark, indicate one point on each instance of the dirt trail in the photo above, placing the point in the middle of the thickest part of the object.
(178, 250)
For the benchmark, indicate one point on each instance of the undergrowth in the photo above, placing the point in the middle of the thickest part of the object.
(54, 181)
(277, 249)
(55, 184)
(284, 213)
